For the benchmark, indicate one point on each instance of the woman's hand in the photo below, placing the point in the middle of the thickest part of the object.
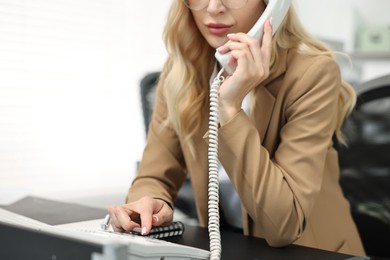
(253, 61)
(143, 213)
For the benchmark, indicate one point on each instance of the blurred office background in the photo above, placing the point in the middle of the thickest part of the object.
(71, 125)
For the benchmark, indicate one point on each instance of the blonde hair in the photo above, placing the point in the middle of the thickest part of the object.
(186, 72)
(190, 63)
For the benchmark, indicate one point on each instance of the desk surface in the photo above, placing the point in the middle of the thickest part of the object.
(234, 245)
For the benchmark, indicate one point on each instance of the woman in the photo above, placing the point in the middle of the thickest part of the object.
(278, 156)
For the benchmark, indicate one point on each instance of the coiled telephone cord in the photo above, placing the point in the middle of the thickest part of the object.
(213, 186)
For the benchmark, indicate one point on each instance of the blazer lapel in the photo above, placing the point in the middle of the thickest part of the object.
(262, 112)
(265, 100)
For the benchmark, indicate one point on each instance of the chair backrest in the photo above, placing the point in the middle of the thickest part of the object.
(148, 90)
(373, 89)
(369, 124)
(365, 164)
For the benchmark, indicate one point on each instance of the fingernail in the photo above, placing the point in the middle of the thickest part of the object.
(270, 21)
(137, 229)
(143, 231)
(155, 219)
(230, 34)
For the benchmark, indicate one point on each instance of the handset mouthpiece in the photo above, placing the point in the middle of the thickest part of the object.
(224, 59)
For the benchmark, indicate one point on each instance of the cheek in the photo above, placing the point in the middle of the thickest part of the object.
(251, 17)
(197, 19)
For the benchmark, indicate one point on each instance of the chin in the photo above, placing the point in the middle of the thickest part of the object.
(215, 43)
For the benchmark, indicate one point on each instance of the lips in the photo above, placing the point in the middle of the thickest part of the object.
(218, 28)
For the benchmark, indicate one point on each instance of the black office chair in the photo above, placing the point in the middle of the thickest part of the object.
(365, 165)
(185, 202)
(148, 87)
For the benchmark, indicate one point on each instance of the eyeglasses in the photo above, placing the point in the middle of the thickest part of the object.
(198, 5)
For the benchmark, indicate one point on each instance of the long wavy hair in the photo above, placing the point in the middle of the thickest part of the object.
(190, 63)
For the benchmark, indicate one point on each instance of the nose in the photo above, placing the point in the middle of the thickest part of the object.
(215, 6)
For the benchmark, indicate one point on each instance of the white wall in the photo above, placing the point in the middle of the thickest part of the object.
(70, 115)
(101, 160)
(339, 21)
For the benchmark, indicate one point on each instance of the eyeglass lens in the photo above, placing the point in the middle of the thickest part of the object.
(198, 5)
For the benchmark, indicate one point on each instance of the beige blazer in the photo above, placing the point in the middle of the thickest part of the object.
(281, 160)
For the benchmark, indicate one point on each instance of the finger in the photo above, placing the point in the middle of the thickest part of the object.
(266, 45)
(233, 43)
(121, 219)
(115, 223)
(164, 216)
(146, 207)
(146, 222)
(223, 49)
(237, 37)
(156, 220)
(243, 46)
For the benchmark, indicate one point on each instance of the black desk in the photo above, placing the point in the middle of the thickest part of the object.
(234, 245)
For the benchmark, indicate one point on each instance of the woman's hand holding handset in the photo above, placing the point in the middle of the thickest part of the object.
(253, 61)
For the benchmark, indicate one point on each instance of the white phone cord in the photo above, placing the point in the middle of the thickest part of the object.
(213, 188)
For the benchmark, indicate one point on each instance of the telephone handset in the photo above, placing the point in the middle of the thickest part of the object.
(277, 9)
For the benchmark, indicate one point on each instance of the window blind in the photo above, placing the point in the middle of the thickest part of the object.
(65, 94)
